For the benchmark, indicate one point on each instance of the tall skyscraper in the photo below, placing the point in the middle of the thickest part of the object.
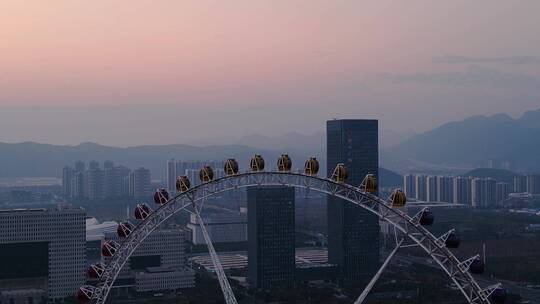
(432, 188)
(42, 254)
(409, 185)
(421, 188)
(353, 233)
(271, 241)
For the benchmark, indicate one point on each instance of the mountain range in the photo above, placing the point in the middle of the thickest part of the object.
(473, 141)
(463, 144)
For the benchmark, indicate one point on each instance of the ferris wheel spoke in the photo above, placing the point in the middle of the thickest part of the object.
(376, 277)
(223, 281)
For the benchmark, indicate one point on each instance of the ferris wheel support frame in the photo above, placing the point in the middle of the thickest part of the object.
(222, 278)
(407, 226)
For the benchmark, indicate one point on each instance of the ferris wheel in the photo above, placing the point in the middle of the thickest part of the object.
(408, 231)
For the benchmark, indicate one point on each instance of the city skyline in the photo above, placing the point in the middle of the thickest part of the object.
(255, 151)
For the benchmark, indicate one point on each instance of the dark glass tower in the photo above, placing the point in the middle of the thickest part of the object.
(271, 250)
(353, 233)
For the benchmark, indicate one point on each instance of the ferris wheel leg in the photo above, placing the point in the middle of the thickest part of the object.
(223, 282)
(376, 277)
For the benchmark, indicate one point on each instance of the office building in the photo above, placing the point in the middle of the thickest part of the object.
(445, 185)
(432, 188)
(271, 235)
(42, 254)
(224, 227)
(409, 185)
(353, 233)
(158, 264)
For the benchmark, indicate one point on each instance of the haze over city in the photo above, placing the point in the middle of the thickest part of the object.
(270, 151)
(201, 71)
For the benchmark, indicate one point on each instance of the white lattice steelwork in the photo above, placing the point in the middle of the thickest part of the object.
(405, 226)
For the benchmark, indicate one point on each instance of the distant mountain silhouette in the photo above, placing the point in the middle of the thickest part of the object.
(31, 159)
(36, 160)
(477, 139)
(500, 175)
(389, 178)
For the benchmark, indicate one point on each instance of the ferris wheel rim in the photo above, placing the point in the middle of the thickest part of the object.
(474, 293)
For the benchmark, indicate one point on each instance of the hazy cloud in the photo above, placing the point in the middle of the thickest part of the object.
(477, 60)
(473, 76)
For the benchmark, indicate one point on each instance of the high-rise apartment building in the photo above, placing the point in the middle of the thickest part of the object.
(171, 175)
(483, 192)
(141, 183)
(478, 192)
(491, 192)
(68, 174)
(432, 188)
(42, 254)
(533, 184)
(520, 184)
(503, 191)
(462, 190)
(113, 181)
(445, 185)
(409, 185)
(271, 236)
(421, 188)
(353, 233)
(93, 165)
(80, 166)
(94, 180)
(108, 164)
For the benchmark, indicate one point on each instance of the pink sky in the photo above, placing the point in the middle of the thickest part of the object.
(249, 52)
